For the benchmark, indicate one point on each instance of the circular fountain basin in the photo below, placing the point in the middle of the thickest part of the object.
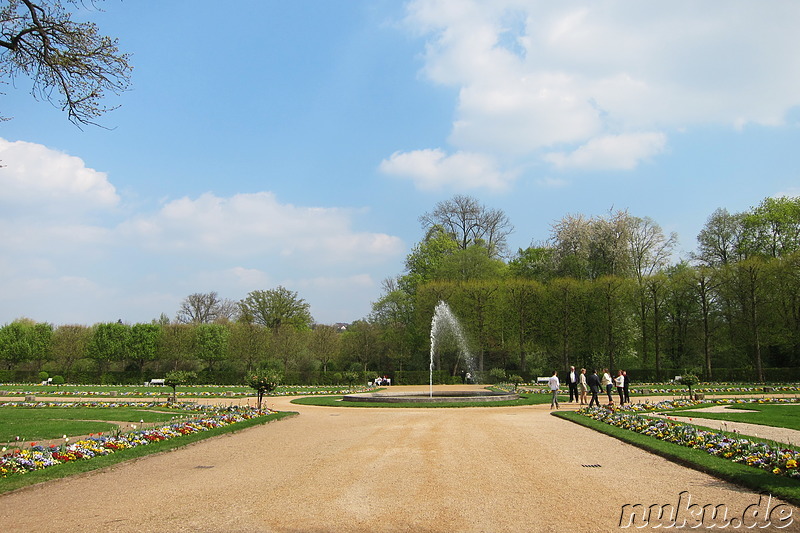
(437, 397)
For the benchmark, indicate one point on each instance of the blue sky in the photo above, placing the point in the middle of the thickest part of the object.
(296, 143)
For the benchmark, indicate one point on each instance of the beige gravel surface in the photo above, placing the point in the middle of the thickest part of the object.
(387, 470)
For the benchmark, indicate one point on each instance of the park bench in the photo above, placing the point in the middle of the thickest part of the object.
(542, 380)
(155, 382)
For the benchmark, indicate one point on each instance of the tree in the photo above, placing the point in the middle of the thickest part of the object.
(361, 341)
(426, 257)
(718, 241)
(522, 298)
(264, 382)
(468, 222)
(324, 345)
(205, 308)
(16, 342)
(470, 264)
(211, 343)
(275, 308)
(109, 342)
(570, 238)
(69, 344)
(248, 344)
(773, 228)
(175, 345)
(143, 344)
(534, 262)
(178, 377)
(39, 40)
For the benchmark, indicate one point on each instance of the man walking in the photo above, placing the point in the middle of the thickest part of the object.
(554, 386)
(572, 382)
(594, 387)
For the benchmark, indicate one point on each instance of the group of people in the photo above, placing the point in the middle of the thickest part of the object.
(580, 385)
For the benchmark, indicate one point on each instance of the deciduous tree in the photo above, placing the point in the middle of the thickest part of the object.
(40, 40)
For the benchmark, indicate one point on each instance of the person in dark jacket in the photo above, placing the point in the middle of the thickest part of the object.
(594, 388)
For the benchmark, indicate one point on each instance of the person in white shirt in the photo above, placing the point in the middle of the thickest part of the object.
(607, 384)
(619, 381)
(572, 382)
(554, 386)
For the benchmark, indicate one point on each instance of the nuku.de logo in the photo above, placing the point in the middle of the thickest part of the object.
(686, 514)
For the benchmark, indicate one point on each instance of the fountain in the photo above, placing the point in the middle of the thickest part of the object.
(444, 322)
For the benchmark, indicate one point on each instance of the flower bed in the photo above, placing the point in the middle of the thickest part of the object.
(37, 457)
(778, 460)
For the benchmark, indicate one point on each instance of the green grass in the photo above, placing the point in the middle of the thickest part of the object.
(746, 476)
(80, 467)
(775, 415)
(43, 423)
(336, 401)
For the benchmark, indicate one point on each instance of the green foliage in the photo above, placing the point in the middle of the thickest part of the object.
(211, 343)
(275, 308)
(498, 374)
(109, 342)
(689, 380)
(58, 380)
(351, 377)
(264, 382)
(43, 376)
(178, 377)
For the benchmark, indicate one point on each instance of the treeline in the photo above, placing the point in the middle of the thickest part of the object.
(606, 291)
(120, 353)
(603, 291)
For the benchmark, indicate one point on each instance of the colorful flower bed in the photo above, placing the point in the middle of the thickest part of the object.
(37, 457)
(227, 392)
(706, 388)
(778, 460)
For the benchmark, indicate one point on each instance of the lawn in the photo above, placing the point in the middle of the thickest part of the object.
(336, 401)
(741, 474)
(47, 423)
(781, 416)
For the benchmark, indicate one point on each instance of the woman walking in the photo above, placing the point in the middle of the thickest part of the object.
(606, 383)
(583, 388)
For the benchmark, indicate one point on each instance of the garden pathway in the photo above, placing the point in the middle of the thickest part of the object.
(389, 470)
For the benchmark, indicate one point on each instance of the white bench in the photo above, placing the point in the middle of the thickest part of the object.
(542, 380)
(154, 382)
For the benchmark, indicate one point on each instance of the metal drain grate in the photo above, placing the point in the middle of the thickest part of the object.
(591, 466)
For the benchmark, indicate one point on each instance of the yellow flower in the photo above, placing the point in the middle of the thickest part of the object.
(791, 463)
(776, 470)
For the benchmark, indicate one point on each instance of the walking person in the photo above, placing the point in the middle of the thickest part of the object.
(594, 387)
(626, 387)
(572, 383)
(606, 383)
(554, 386)
(619, 381)
(583, 387)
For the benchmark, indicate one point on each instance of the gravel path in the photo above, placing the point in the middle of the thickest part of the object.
(389, 470)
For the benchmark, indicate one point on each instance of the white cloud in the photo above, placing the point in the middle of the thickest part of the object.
(434, 170)
(580, 77)
(246, 225)
(69, 259)
(613, 152)
(36, 175)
